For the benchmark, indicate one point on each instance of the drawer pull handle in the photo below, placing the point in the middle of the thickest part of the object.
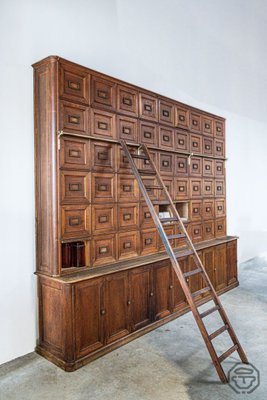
(103, 312)
(195, 144)
(195, 188)
(127, 217)
(171, 287)
(219, 129)
(146, 162)
(103, 156)
(195, 166)
(147, 215)
(207, 146)
(74, 187)
(208, 209)
(74, 85)
(207, 188)
(74, 221)
(165, 163)
(103, 250)
(220, 208)
(195, 210)
(165, 113)
(148, 241)
(127, 188)
(75, 153)
(166, 138)
(102, 125)
(127, 101)
(129, 302)
(181, 141)
(147, 135)
(181, 118)
(73, 119)
(102, 219)
(219, 168)
(207, 126)
(207, 167)
(102, 188)
(219, 188)
(196, 231)
(181, 165)
(126, 131)
(208, 230)
(218, 148)
(102, 94)
(148, 107)
(194, 122)
(127, 245)
(151, 294)
(219, 227)
(181, 188)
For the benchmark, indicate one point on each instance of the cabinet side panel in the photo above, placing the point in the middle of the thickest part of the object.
(45, 108)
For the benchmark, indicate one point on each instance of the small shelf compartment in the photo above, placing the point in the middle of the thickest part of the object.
(182, 207)
(73, 255)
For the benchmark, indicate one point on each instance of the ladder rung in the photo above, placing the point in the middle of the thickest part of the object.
(161, 202)
(154, 187)
(169, 219)
(195, 271)
(146, 172)
(140, 156)
(177, 236)
(228, 353)
(209, 311)
(184, 253)
(218, 332)
(198, 292)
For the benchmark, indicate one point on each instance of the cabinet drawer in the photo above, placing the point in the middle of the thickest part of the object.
(103, 156)
(127, 188)
(75, 221)
(103, 249)
(146, 219)
(166, 164)
(127, 129)
(103, 124)
(181, 117)
(145, 164)
(195, 188)
(207, 125)
(195, 122)
(148, 107)
(168, 182)
(166, 138)
(103, 188)
(220, 227)
(195, 210)
(74, 84)
(208, 146)
(166, 112)
(104, 218)
(219, 148)
(195, 144)
(127, 100)
(148, 133)
(169, 230)
(208, 167)
(196, 232)
(219, 188)
(148, 241)
(208, 230)
(128, 216)
(181, 189)
(181, 141)
(220, 208)
(153, 193)
(219, 168)
(196, 166)
(74, 153)
(219, 129)
(103, 93)
(74, 118)
(128, 244)
(74, 187)
(123, 163)
(208, 209)
(181, 165)
(208, 188)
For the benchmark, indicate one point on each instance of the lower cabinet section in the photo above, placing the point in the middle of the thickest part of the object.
(81, 320)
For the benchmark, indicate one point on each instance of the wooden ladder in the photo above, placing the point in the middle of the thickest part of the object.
(143, 154)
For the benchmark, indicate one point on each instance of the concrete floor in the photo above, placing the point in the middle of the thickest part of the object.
(169, 363)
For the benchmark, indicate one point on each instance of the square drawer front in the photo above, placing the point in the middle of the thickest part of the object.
(195, 143)
(104, 218)
(74, 187)
(74, 118)
(103, 188)
(166, 164)
(195, 210)
(166, 112)
(103, 156)
(148, 133)
(208, 146)
(148, 241)
(169, 230)
(219, 148)
(220, 227)
(74, 153)
(148, 107)
(195, 122)
(128, 216)
(128, 244)
(103, 124)
(103, 249)
(208, 187)
(146, 219)
(168, 182)
(219, 188)
(123, 163)
(153, 193)
(127, 129)
(219, 168)
(219, 129)
(75, 221)
(181, 140)
(127, 188)
(207, 125)
(181, 117)
(208, 230)
(220, 210)
(196, 166)
(103, 93)
(208, 167)
(195, 188)
(208, 209)
(181, 165)
(127, 100)
(196, 232)
(74, 84)
(145, 164)
(166, 138)
(181, 189)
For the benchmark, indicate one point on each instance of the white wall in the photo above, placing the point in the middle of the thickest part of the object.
(209, 53)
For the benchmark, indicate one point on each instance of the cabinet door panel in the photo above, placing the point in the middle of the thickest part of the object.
(231, 263)
(208, 262)
(161, 289)
(220, 267)
(178, 296)
(194, 281)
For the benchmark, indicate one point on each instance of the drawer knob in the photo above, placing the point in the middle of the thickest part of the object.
(102, 125)
(74, 119)
(127, 101)
(102, 94)
(181, 141)
(195, 144)
(147, 135)
(165, 113)
(207, 126)
(148, 107)
(126, 130)
(74, 85)
(166, 138)
(151, 294)
(129, 302)
(103, 312)
(165, 163)
(171, 286)
(181, 117)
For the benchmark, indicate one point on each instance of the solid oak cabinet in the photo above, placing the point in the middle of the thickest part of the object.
(103, 274)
